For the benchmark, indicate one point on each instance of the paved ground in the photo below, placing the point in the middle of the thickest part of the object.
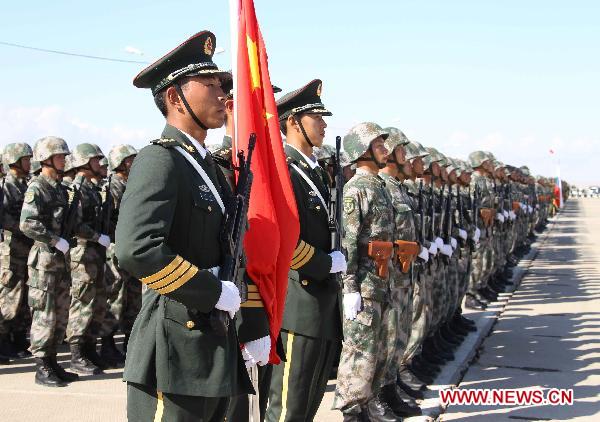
(546, 335)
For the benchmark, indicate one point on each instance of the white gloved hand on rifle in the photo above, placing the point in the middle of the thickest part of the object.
(257, 352)
(424, 254)
(229, 300)
(338, 262)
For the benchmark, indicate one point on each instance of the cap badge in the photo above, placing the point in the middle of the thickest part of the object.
(208, 46)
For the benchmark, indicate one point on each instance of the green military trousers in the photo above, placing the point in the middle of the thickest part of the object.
(147, 405)
(298, 385)
(238, 408)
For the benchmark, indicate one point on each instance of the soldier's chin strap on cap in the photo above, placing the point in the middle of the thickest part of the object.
(299, 123)
(372, 158)
(51, 165)
(187, 107)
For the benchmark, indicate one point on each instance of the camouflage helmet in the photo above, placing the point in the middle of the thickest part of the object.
(451, 165)
(525, 171)
(433, 157)
(324, 152)
(490, 155)
(119, 153)
(47, 147)
(14, 152)
(36, 167)
(395, 138)
(83, 153)
(103, 162)
(359, 138)
(477, 158)
(344, 159)
(68, 164)
(415, 150)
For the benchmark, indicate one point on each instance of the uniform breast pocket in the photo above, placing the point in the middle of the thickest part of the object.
(205, 221)
(314, 204)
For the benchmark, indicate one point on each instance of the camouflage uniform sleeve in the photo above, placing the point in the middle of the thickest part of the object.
(141, 237)
(353, 209)
(12, 208)
(31, 222)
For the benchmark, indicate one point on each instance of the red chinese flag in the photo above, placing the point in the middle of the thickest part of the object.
(273, 217)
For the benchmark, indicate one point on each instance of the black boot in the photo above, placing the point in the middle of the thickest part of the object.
(450, 336)
(6, 347)
(442, 348)
(355, 417)
(110, 353)
(423, 374)
(20, 344)
(465, 323)
(80, 363)
(471, 302)
(46, 375)
(89, 350)
(378, 411)
(411, 384)
(413, 408)
(390, 395)
(60, 371)
(431, 356)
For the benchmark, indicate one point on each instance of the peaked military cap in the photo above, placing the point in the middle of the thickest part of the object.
(191, 58)
(303, 100)
(227, 85)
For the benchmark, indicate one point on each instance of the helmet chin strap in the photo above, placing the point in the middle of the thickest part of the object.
(372, 158)
(188, 108)
(299, 123)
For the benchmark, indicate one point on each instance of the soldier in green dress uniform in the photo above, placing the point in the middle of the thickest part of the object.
(311, 330)
(178, 367)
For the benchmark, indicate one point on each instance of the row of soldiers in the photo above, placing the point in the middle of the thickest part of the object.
(60, 278)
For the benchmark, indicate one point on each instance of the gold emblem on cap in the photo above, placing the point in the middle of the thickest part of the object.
(304, 282)
(208, 46)
(190, 324)
(319, 90)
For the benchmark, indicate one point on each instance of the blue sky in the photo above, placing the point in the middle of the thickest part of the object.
(513, 77)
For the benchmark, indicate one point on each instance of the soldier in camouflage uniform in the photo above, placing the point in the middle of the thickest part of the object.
(124, 292)
(44, 205)
(395, 172)
(88, 293)
(368, 217)
(15, 318)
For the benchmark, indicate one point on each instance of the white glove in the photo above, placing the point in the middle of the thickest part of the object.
(104, 240)
(453, 243)
(537, 206)
(433, 249)
(229, 300)
(424, 255)
(505, 213)
(439, 242)
(446, 250)
(351, 302)
(257, 352)
(338, 262)
(477, 235)
(462, 234)
(500, 217)
(530, 209)
(62, 245)
(512, 215)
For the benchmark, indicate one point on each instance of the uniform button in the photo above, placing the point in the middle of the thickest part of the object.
(190, 324)
(209, 208)
(304, 282)
(318, 207)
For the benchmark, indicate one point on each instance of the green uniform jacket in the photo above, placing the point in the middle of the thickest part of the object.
(167, 235)
(312, 305)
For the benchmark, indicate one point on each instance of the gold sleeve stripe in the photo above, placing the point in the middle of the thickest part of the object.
(301, 256)
(164, 272)
(300, 249)
(185, 277)
(254, 295)
(304, 260)
(252, 304)
(252, 288)
(171, 277)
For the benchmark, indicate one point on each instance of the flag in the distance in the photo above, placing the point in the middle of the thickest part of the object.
(274, 228)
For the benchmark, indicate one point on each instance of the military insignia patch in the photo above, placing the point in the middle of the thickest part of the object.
(349, 205)
(28, 197)
(204, 188)
(208, 46)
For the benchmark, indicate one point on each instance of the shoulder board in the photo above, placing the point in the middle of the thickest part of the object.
(172, 143)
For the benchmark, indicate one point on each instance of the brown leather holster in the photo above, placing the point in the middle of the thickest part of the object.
(406, 252)
(381, 252)
(516, 206)
(487, 216)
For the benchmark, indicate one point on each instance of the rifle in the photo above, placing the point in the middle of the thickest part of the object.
(70, 216)
(335, 206)
(232, 236)
(2, 210)
(106, 210)
(461, 222)
(421, 232)
(475, 210)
